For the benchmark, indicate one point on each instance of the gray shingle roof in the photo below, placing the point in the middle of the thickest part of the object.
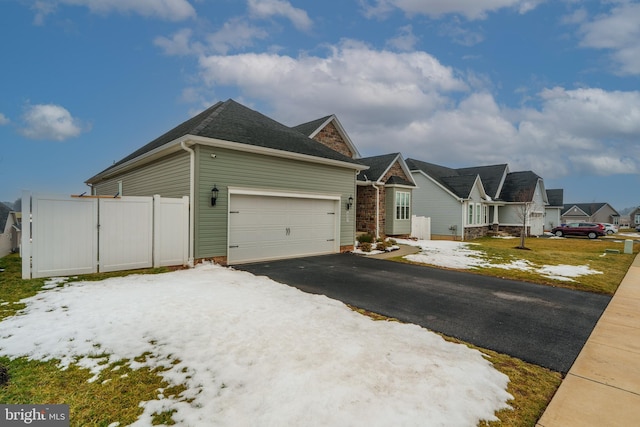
(555, 197)
(491, 176)
(231, 121)
(519, 186)
(310, 127)
(458, 181)
(378, 165)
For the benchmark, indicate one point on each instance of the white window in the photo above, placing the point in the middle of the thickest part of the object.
(403, 205)
(478, 214)
(470, 219)
(485, 209)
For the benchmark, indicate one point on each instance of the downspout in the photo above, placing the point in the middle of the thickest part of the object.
(192, 175)
(465, 212)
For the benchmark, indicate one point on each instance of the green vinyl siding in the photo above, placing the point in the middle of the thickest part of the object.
(168, 177)
(230, 168)
(395, 226)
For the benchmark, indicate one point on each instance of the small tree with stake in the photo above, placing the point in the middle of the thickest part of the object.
(525, 205)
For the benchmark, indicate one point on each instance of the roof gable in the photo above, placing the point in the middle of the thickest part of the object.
(329, 131)
(589, 209)
(492, 177)
(385, 167)
(520, 186)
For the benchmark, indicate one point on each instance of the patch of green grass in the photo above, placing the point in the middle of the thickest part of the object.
(113, 397)
(570, 251)
(543, 251)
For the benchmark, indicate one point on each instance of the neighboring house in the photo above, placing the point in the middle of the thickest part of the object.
(625, 221)
(634, 218)
(525, 199)
(5, 242)
(385, 196)
(466, 203)
(456, 200)
(258, 189)
(12, 234)
(590, 212)
(553, 211)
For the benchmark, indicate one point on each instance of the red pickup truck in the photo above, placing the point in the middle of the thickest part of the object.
(589, 229)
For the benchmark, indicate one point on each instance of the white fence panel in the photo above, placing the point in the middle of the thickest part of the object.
(64, 234)
(421, 227)
(80, 235)
(126, 233)
(171, 231)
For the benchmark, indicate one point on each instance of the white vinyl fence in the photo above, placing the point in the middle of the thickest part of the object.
(421, 227)
(80, 235)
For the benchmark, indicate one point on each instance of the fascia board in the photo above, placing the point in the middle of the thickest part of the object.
(238, 146)
(171, 147)
(478, 183)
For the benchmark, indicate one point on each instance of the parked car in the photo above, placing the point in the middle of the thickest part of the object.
(610, 228)
(589, 229)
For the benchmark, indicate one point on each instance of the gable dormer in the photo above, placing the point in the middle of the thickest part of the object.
(329, 132)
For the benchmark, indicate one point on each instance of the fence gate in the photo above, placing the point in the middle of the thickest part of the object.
(80, 235)
(421, 227)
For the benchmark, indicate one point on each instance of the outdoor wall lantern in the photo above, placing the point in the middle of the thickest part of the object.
(214, 195)
(349, 202)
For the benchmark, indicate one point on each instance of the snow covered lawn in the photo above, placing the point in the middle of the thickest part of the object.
(255, 352)
(460, 255)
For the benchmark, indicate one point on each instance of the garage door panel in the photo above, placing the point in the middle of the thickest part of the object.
(271, 227)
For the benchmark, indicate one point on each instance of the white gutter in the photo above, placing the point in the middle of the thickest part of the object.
(192, 175)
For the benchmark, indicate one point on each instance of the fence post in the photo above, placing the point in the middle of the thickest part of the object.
(25, 244)
(156, 240)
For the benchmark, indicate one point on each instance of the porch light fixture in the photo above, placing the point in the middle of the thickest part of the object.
(349, 202)
(214, 195)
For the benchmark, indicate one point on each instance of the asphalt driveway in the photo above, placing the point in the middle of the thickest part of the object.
(540, 324)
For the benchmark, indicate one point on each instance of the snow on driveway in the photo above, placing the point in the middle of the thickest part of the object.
(460, 255)
(255, 352)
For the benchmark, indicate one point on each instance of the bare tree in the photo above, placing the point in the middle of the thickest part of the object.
(525, 206)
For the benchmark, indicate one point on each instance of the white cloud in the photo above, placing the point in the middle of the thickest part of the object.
(411, 103)
(4, 120)
(380, 84)
(179, 43)
(171, 10)
(51, 122)
(470, 9)
(269, 8)
(405, 40)
(234, 34)
(618, 31)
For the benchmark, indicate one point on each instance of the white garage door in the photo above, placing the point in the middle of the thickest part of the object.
(269, 227)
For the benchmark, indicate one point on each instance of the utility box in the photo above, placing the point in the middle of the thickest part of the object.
(628, 246)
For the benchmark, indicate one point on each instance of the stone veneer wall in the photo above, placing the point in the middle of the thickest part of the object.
(366, 210)
(330, 137)
(395, 170)
(471, 233)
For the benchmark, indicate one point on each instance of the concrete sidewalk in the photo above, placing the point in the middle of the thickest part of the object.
(602, 387)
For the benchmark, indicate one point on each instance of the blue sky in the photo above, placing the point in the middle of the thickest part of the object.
(549, 86)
